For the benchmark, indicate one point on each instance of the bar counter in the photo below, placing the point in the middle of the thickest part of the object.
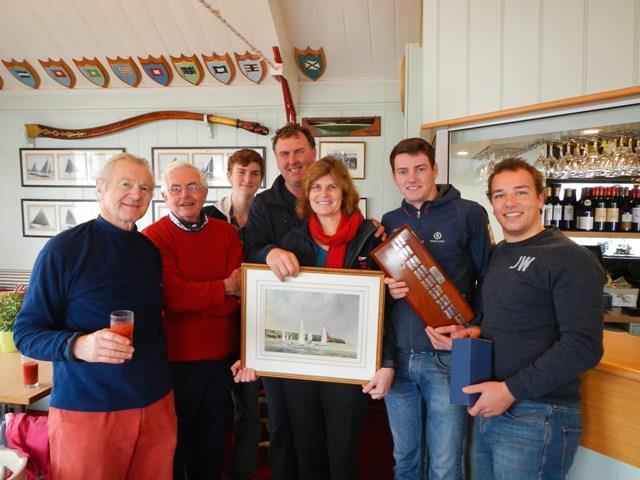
(611, 400)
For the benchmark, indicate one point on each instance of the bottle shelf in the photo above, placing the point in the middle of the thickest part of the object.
(594, 234)
(598, 180)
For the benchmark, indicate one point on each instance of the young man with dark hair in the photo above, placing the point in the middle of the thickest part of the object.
(456, 233)
(542, 298)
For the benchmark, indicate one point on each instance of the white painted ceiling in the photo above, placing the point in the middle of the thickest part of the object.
(363, 40)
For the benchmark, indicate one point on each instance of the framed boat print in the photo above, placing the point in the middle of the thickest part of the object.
(350, 153)
(159, 208)
(211, 160)
(69, 167)
(46, 218)
(338, 338)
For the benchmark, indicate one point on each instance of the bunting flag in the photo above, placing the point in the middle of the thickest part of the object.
(220, 66)
(23, 72)
(188, 68)
(126, 70)
(157, 69)
(60, 72)
(252, 66)
(311, 62)
(93, 71)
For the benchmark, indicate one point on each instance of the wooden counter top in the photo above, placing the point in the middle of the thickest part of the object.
(621, 355)
(12, 391)
(610, 393)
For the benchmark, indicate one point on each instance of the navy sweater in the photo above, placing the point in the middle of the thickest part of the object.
(79, 277)
(543, 310)
(455, 231)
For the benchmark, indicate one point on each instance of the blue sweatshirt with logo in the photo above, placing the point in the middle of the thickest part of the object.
(456, 233)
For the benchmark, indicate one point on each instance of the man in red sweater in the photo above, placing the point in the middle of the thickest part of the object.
(201, 287)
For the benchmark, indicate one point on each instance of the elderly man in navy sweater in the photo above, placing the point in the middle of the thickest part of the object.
(112, 413)
(542, 298)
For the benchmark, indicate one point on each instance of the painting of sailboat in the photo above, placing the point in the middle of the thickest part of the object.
(42, 218)
(40, 166)
(72, 166)
(213, 165)
(343, 126)
(329, 327)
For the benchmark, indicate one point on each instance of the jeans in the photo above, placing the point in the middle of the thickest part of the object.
(530, 441)
(418, 407)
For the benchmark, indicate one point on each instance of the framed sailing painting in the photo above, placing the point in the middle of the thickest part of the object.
(46, 218)
(324, 324)
(211, 160)
(69, 167)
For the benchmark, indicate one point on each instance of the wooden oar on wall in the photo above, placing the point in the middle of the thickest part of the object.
(36, 130)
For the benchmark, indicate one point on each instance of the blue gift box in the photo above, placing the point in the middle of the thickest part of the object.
(471, 363)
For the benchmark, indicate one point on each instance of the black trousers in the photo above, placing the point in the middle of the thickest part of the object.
(326, 420)
(202, 392)
(247, 429)
(282, 455)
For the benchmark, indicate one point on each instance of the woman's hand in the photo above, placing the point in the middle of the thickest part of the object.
(380, 384)
(243, 375)
(397, 288)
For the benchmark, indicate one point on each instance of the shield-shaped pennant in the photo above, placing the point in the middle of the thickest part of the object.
(60, 72)
(252, 66)
(93, 71)
(221, 67)
(188, 68)
(157, 69)
(23, 72)
(311, 62)
(126, 70)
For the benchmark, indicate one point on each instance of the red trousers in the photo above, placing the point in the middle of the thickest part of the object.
(134, 444)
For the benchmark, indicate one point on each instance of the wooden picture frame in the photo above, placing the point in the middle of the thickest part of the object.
(63, 167)
(47, 218)
(352, 155)
(343, 126)
(338, 338)
(211, 160)
(159, 208)
(362, 205)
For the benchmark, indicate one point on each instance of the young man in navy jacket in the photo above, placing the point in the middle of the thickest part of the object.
(456, 233)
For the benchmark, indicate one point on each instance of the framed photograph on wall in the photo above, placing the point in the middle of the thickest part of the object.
(159, 209)
(69, 167)
(351, 154)
(46, 218)
(362, 205)
(339, 337)
(211, 160)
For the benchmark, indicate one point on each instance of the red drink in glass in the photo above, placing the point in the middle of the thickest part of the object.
(30, 373)
(124, 329)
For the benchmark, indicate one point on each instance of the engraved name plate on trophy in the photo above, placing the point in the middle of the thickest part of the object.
(433, 297)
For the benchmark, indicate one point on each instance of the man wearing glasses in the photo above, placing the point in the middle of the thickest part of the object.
(201, 287)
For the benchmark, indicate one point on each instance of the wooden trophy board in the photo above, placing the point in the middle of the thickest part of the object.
(433, 297)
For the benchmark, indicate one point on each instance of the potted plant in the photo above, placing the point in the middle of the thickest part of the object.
(10, 303)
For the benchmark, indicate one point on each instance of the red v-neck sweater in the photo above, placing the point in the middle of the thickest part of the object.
(200, 321)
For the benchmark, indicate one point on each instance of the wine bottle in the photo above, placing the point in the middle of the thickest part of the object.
(600, 211)
(568, 210)
(556, 207)
(613, 209)
(626, 216)
(547, 211)
(585, 219)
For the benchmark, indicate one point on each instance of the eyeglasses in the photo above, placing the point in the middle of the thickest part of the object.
(191, 188)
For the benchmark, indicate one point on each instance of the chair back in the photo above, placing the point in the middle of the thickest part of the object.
(15, 462)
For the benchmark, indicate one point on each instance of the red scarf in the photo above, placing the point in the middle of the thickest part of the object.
(337, 242)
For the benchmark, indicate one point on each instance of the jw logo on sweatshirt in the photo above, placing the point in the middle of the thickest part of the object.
(523, 263)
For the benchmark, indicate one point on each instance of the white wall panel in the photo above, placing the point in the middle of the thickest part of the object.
(485, 60)
(452, 58)
(90, 108)
(521, 48)
(430, 60)
(610, 49)
(562, 66)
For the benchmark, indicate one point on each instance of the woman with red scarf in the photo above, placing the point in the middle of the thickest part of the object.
(326, 418)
